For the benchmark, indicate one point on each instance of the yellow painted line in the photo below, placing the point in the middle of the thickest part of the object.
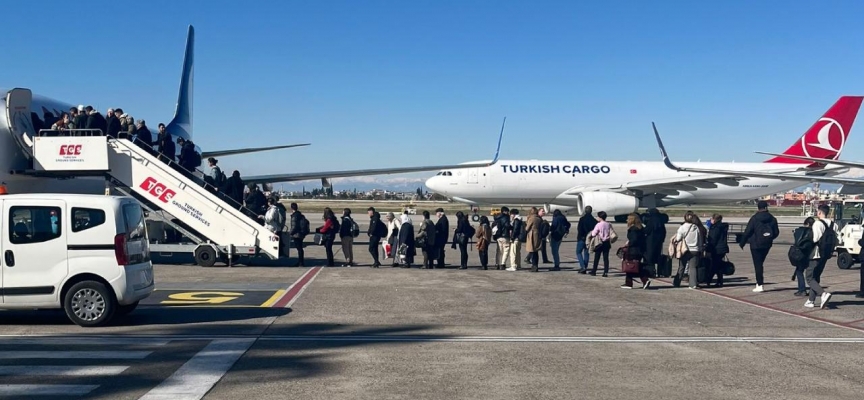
(274, 298)
(212, 290)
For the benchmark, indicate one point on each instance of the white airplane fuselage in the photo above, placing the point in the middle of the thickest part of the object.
(512, 182)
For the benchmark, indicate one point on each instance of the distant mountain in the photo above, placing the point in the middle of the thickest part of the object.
(361, 183)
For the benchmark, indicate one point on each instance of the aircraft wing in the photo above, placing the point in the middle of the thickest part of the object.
(324, 175)
(669, 186)
(231, 152)
(807, 176)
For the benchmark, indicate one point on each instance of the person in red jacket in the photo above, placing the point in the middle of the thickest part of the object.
(329, 231)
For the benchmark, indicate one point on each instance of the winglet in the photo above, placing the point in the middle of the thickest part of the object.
(663, 152)
(181, 125)
(500, 139)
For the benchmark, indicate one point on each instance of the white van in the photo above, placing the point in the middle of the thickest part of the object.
(87, 254)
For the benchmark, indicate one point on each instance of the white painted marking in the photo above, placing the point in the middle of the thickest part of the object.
(82, 341)
(46, 390)
(195, 378)
(8, 355)
(62, 370)
(560, 339)
(303, 288)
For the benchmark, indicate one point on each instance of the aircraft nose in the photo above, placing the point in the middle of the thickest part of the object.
(433, 184)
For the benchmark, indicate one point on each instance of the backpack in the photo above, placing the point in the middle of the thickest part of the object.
(196, 160)
(828, 242)
(495, 231)
(763, 235)
(304, 226)
(355, 229)
(336, 227)
(469, 231)
(544, 229)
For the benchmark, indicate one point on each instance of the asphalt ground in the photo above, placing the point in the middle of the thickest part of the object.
(360, 333)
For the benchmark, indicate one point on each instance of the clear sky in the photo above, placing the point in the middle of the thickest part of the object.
(390, 83)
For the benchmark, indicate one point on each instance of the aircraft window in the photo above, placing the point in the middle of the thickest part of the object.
(86, 218)
(34, 224)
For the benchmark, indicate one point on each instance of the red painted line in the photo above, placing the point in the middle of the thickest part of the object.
(857, 321)
(294, 291)
(802, 298)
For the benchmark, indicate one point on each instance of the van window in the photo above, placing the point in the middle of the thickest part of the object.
(134, 217)
(34, 224)
(86, 218)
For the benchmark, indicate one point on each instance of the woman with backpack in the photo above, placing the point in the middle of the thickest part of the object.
(329, 230)
(346, 236)
(717, 248)
(634, 250)
(559, 229)
(600, 240)
(802, 247)
(484, 238)
(690, 240)
(461, 236)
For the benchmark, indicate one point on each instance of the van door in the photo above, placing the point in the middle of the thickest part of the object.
(34, 250)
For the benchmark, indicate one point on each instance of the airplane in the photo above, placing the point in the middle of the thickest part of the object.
(621, 187)
(22, 113)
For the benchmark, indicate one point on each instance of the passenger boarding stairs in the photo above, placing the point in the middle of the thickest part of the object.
(212, 221)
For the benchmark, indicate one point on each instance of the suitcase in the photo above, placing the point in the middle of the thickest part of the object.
(703, 270)
(664, 266)
(318, 239)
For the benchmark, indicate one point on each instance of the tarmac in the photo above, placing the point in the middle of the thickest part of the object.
(276, 332)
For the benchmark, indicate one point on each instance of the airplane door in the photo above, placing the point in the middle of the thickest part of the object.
(472, 175)
(33, 250)
(18, 117)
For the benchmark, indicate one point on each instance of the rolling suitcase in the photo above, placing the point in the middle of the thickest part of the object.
(703, 270)
(664, 266)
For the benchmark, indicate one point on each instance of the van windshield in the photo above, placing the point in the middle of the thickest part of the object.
(134, 217)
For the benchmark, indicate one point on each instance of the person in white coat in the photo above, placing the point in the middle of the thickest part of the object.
(393, 225)
(692, 232)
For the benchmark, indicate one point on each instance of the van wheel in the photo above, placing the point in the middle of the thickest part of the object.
(845, 260)
(205, 256)
(89, 303)
(124, 310)
(475, 218)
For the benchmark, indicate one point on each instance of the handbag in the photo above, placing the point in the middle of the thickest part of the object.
(387, 247)
(613, 237)
(728, 267)
(318, 239)
(630, 266)
(460, 238)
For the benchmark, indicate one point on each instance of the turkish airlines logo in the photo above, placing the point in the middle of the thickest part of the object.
(823, 140)
(70, 150)
(157, 190)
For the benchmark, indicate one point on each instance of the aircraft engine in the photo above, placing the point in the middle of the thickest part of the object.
(612, 203)
(550, 208)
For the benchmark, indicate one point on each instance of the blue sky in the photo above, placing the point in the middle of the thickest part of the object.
(387, 83)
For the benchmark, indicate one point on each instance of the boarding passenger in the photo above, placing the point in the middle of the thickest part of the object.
(329, 230)
(167, 149)
(484, 239)
(81, 118)
(601, 238)
(532, 238)
(63, 123)
(717, 248)
(405, 243)
(501, 235)
(691, 233)
(558, 231)
(802, 240)
(760, 233)
(655, 235)
(127, 124)
(143, 136)
(298, 232)
(73, 118)
(461, 236)
(377, 231)
(545, 227)
(583, 228)
(255, 200)
(188, 158)
(425, 239)
(215, 177)
(233, 188)
(113, 124)
(346, 235)
(95, 120)
(819, 256)
(517, 237)
(49, 118)
(392, 237)
(635, 250)
(442, 228)
(273, 219)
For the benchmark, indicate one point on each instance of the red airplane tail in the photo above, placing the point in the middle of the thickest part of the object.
(827, 137)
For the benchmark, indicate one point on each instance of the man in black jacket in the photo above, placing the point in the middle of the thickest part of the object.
(95, 120)
(717, 247)
(233, 188)
(760, 233)
(583, 228)
(442, 225)
(80, 118)
(297, 234)
(375, 234)
(502, 230)
(655, 236)
(113, 124)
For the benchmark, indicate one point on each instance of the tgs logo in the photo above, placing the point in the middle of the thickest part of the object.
(157, 190)
(70, 150)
